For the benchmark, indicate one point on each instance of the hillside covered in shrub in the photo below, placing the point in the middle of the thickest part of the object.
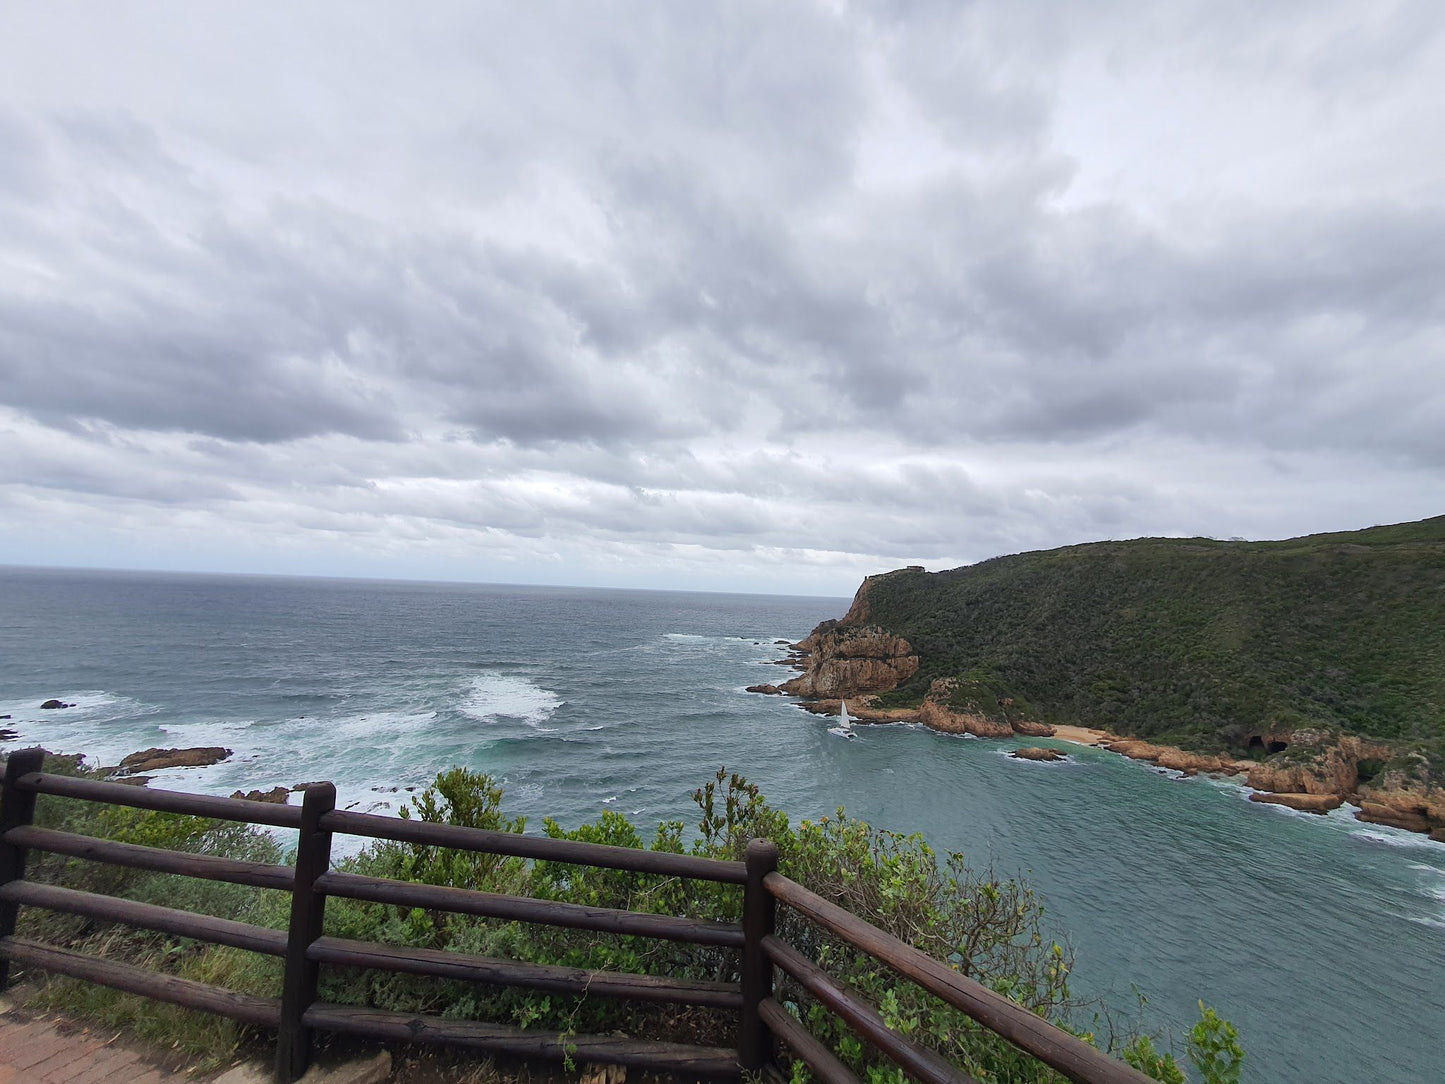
(1193, 641)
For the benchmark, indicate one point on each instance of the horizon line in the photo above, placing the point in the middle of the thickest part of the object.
(7, 567)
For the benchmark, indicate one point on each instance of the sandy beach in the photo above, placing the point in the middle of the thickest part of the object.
(1082, 735)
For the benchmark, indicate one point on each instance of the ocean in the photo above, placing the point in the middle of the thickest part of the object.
(1323, 939)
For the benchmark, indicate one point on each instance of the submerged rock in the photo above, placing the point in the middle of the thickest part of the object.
(51, 705)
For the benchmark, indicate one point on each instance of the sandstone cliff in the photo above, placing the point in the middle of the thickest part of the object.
(1406, 796)
(848, 660)
(1317, 762)
(1063, 629)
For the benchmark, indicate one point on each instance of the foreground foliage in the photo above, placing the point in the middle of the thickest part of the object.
(988, 926)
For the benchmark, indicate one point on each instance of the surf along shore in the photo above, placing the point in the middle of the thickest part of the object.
(1310, 770)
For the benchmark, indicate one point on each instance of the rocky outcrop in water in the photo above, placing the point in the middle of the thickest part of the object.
(1406, 795)
(1179, 760)
(276, 795)
(847, 661)
(938, 715)
(51, 705)
(153, 760)
(1305, 803)
(1035, 752)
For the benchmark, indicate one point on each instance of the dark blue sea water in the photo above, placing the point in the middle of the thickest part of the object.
(1322, 938)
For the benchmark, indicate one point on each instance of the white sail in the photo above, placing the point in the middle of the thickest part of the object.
(847, 723)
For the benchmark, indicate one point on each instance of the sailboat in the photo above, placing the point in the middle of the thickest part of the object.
(844, 729)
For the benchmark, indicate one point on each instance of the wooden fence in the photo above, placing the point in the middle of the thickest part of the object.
(762, 1020)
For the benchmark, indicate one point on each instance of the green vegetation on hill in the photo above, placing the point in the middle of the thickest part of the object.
(1193, 641)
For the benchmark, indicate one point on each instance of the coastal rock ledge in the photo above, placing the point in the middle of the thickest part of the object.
(1305, 803)
(153, 760)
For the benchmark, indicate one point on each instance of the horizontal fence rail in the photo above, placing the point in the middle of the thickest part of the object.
(763, 1022)
(1053, 1046)
(207, 867)
(603, 855)
(261, 1011)
(165, 801)
(575, 916)
(563, 980)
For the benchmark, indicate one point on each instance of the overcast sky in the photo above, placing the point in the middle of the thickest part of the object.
(757, 296)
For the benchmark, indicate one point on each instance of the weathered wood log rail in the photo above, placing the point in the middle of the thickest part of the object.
(762, 1022)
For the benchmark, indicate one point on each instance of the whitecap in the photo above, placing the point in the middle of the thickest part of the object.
(606, 801)
(494, 695)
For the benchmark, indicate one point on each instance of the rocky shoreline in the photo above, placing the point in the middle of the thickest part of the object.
(1312, 770)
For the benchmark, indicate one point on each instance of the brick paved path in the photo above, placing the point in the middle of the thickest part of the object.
(37, 1052)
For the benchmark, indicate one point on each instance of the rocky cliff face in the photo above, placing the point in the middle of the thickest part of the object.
(846, 660)
(1405, 796)
(1314, 768)
(1317, 762)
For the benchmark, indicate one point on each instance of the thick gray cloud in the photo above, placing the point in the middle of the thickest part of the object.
(738, 295)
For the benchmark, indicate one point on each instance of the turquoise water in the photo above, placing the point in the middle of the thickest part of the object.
(1322, 938)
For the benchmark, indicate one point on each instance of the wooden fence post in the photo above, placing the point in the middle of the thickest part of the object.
(755, 1046)
(298, 990)
(17, 807)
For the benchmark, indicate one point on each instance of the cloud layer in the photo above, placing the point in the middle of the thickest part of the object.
(754, 295)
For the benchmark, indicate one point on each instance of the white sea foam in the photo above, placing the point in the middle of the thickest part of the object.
(90, 706)
(1397, 837)
(493, 695)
